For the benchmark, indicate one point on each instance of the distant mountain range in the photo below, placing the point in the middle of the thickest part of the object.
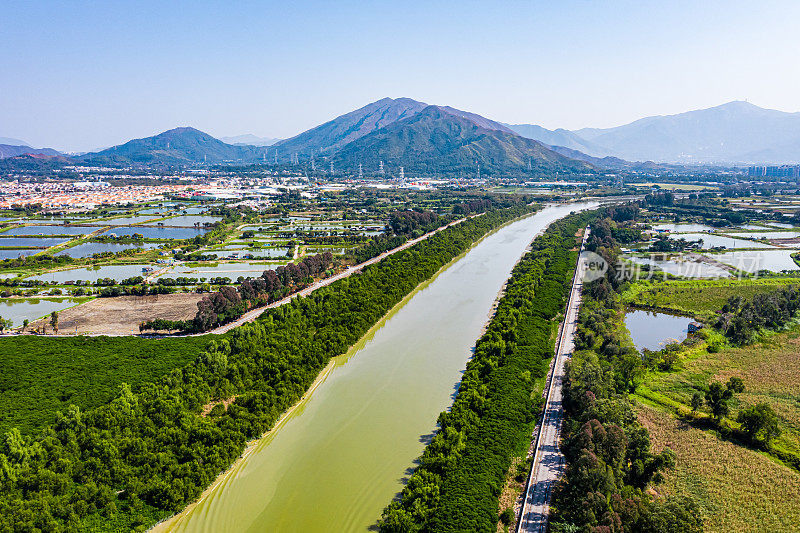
(334, 134)
(442, 140)
(176, 147)
(13, 142)
(9, 150)
(401, 132)
(250, 139)
(736, 132)
(424, 139)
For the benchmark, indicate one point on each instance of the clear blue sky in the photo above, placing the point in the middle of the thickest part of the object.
(81, 75)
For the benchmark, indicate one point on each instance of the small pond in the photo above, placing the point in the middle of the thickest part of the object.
(683, 267)
(125, 221)
(653, 330)
(755, 260)
(50, 230)
(153, 232)
(18, 310)
(231, 270)
(90, 248)
(14, 254)
(711, 241)
(277, 253)
(40, 242)
(780, 225)
(92, 274)
(185, 221)
(767, 234)
(683, 227)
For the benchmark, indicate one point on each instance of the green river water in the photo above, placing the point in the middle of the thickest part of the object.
(337, 459)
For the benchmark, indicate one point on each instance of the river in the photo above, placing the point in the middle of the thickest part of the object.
(340, 455)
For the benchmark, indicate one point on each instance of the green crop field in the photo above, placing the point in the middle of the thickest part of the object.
(42, 375)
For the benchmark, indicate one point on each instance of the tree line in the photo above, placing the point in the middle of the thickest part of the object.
(462, 471)
(607, 451)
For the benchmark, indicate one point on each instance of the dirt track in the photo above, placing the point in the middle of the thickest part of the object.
(123, 314)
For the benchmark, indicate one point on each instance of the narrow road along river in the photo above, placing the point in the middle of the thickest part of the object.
(340, 456)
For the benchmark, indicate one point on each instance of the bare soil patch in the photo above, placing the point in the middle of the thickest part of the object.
(123, 314)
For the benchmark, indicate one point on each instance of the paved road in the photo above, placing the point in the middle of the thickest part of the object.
(255, 313)
(548, 462)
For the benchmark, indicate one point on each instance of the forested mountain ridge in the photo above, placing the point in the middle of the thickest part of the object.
(334, 134)
(436, 140)
(178, 146)
(8, 150)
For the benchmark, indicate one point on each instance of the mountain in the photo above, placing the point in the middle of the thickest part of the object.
(179, 146)
(558, 137)
(736, 132)
(249, 139)
(12, 141)
(441, 140)
(332, 135)
(7, 150)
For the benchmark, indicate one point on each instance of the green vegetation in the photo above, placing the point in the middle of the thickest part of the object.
(146, 454)
(42, 375)
(702, 297)
(729, 412)
(609, 460)
(462, 471)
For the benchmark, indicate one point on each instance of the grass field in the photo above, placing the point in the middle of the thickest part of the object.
(42, 375)
(699, 296)
(770, 372)
(737, 488)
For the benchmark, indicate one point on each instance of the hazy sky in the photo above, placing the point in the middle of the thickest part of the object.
(83, 75)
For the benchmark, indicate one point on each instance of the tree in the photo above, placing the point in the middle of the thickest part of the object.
(718, 395)
(24, 325)
(761, 421)
(54, 321)
(735, 384)
(5, 324)
(697, 401)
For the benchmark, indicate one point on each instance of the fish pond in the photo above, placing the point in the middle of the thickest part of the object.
(654, 330)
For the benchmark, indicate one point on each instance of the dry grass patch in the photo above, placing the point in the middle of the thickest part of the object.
(770, 371)
(737, 488)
